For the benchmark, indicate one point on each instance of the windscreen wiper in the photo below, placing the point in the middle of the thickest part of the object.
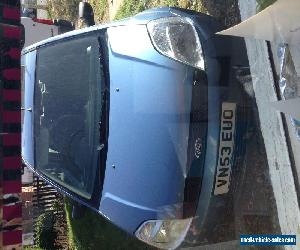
(103, 124)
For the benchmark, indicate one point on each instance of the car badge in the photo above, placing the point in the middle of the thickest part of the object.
(198, 147)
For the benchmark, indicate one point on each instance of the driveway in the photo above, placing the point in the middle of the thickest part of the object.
(265, 200)
(274, 133)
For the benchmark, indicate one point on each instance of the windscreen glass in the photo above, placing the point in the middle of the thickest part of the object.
(67, 113)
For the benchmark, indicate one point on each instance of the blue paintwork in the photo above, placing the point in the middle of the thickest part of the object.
(27, 123)
(148, 124)
(148, 121)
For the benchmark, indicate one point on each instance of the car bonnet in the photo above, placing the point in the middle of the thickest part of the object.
(150, 98)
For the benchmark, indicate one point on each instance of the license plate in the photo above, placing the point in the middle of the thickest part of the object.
(226, 146)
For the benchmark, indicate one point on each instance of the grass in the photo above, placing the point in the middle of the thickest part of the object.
(93, 232)
(132, 7)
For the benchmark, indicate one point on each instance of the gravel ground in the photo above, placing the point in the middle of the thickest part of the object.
(252, 209)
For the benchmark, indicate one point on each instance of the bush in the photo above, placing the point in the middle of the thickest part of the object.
(45, 231)
(132, 7)
(63, 9)
(100, 8)
(68, 10)
(129, 8)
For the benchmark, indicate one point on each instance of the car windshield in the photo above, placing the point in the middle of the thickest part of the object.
(67, 113)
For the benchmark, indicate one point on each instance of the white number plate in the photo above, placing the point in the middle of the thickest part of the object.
(226, 146)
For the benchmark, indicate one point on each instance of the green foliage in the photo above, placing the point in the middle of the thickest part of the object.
(92, 231)
(100, 8)
(45, 231)
(129, 8)
(63, 9)
(68, 9)
(262, 4)
(132, 7)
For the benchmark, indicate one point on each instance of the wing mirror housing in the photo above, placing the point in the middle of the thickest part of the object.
(86, 13)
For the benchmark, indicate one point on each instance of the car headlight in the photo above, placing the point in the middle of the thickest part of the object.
(165, 234)
(177, 38)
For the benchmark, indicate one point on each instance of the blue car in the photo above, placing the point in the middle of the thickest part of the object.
(138, 120)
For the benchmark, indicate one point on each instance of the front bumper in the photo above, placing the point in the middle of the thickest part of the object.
(222, 54)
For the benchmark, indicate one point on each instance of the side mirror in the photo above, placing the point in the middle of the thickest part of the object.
(86, 13)
(22, 40)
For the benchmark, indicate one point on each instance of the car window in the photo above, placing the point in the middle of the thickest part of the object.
(67, 112)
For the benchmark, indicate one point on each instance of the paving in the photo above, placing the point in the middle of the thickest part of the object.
(292, 65)
(274, 133)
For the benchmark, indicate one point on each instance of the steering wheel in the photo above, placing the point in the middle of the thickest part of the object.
(74, 139)
(66, 131)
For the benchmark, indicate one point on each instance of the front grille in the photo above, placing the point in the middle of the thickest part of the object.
(196, 144)
(225, 64)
